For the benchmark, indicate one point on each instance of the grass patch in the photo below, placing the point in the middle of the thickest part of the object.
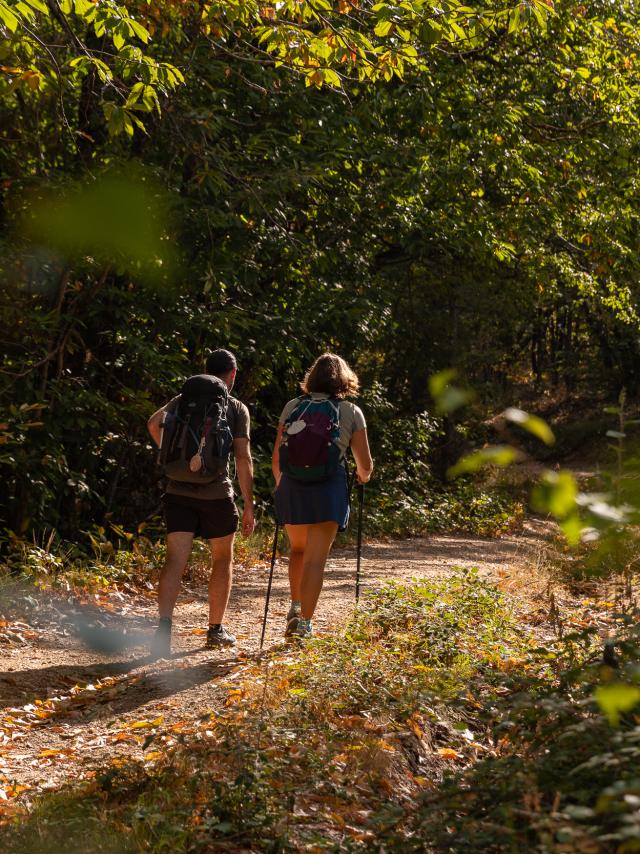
(465, 508)
(106, 564)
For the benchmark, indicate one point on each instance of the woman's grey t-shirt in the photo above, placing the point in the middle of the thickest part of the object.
(351, 418)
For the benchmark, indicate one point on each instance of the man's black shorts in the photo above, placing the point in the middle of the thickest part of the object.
(202, 517)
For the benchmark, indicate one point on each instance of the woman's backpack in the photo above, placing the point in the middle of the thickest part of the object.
(196, 439)
(309, 450)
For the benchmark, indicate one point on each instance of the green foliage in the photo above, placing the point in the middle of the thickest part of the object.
(394, 216)
(406, 498)
(565, 776)
(470, 508)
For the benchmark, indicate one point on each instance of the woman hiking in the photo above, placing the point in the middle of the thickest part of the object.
(309, 466)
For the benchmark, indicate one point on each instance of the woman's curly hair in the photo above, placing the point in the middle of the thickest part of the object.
(330, 374)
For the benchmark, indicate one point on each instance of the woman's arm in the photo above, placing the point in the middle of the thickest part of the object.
(362, 455)
(275, 456)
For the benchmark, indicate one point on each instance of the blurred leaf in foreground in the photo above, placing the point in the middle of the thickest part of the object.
(531, 423)
(119, 218)
(556, 494)
(616, 699)
(448, 397)
(496, 455)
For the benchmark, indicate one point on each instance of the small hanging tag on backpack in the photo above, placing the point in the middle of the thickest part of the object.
(196, 461)
(296, 427)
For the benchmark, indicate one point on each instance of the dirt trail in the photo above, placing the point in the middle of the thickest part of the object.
(64, 708)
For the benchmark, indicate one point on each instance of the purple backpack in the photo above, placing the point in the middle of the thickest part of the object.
(309, 450)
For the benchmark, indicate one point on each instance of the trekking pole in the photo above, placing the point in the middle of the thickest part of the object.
(273, 563)
(359, 550)
(351, 479)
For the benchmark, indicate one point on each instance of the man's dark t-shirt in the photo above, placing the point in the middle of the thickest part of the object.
(238, 420)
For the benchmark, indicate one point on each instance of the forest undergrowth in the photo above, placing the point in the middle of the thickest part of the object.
(446, 715)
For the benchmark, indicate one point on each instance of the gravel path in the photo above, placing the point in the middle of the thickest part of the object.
(66, 709)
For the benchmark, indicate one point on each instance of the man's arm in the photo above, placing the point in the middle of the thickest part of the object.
(244, 467)
(154, 425)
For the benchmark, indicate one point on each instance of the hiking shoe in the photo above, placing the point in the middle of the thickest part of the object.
(219, 636)
(293, 618)
(161, 642)
(304, 629)
(292, 626)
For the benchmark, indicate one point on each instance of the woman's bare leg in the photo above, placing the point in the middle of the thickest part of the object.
(320, 537)
(297, 535)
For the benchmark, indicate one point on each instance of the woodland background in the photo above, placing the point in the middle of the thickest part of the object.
(416, 188)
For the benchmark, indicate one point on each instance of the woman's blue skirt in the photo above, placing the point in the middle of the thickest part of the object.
(299, 503)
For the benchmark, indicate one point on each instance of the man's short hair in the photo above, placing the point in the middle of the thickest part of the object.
(220, 363)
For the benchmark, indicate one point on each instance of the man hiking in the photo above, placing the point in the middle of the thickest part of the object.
(197, 432)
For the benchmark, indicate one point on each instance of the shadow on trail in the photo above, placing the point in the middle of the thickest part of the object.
(118, 700)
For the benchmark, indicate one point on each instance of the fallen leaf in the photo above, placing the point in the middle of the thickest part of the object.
(124, 736)
(449, 753)
(416, 728)
(143, 724)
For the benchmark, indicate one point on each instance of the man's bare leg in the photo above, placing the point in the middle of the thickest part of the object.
(221, 577)
(178, 550)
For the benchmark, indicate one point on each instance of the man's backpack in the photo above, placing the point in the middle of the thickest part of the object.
(309, 450)
(196, 439)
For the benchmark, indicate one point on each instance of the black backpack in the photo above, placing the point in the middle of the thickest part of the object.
(196, 439)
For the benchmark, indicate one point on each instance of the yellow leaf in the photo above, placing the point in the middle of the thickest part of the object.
(361, 835)
(353, 721)
(234, 696)
(144, 724)
(17, 789)
(415, 728)
(449, 753)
